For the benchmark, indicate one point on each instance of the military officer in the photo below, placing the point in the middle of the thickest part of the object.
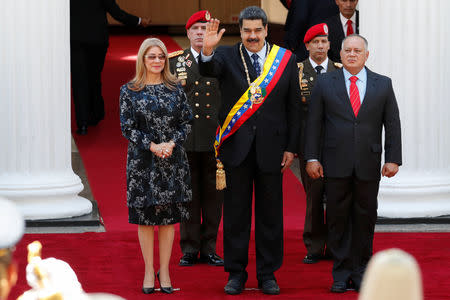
(315, 229)
(199, 235)
(12, 226)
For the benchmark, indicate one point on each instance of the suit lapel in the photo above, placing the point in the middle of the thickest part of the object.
(192, 65)
(308, 68)
(341, 91)
(370, 91)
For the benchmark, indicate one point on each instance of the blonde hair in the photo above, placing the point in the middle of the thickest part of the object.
(392, 274)
(138, 82)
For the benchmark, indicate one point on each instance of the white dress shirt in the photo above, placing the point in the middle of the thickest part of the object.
(324, 65)
(361, 83)
(344, 22)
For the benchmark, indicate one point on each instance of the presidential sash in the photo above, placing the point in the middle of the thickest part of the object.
(253, 98)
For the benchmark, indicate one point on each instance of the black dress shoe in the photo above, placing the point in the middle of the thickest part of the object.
(269, 287)
(353, 286)
(235, 284)
(338, 287)
(82, 130)
(148, 290)
(312, 258)
(164, 289)
(211, 259)
(188, 259)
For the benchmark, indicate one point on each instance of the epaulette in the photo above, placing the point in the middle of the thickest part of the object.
(338, 65)
(176, 53)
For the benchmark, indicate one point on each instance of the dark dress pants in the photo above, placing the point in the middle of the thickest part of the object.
(351, 218)
(315, 228)
(237, 218)
(86, 65)
(199, 234)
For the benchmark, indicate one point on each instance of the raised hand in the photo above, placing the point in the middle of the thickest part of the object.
(145, 22)
(212, 36)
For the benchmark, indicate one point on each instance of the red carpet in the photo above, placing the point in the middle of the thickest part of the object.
(111, 262)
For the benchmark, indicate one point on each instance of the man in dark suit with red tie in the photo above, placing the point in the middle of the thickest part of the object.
(260, 125)
(348, 110)
(341, 25)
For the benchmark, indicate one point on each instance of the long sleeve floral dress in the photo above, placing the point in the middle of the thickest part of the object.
(158, 189)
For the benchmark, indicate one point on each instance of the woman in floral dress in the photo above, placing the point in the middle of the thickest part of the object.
(154, 117)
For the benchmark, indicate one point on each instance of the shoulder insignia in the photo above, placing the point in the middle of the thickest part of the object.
(338, 65)
(176, 53)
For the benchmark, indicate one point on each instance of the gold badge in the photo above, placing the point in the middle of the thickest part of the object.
(256, 94)
(207, 16)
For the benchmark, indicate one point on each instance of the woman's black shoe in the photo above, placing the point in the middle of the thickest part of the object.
(148, 290)
(166, 290)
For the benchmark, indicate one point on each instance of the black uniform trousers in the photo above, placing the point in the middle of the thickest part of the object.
(351, 218)
(315, 228)
(237, 218)
(86, 63)
(199, 234)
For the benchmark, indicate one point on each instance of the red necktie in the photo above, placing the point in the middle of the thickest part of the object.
(354, 95)
(349, 27)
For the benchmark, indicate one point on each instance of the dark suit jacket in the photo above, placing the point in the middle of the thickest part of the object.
(336, 35)
(275, 127)
(353, 144)
(301, 16)
(203, 95)
(88, 21)
(308, 78)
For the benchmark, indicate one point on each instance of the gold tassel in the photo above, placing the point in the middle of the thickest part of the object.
(221, 182)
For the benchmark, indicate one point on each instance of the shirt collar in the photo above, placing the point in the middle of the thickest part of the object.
(195, 53)
(261, 53)
(324, 64)
(362, 75)
(344, 19)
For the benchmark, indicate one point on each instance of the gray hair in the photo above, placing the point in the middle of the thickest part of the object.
(366, 43)
(252, 13)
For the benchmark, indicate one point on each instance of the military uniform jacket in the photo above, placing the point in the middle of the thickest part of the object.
(203, 95)
(308, 77)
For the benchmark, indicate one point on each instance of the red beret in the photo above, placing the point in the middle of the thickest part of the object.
(317, 30)
(200, 16)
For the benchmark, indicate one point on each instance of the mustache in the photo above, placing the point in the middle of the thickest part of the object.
(252, 40)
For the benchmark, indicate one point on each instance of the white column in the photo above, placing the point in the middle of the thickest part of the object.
(35, 147)
(409, 41)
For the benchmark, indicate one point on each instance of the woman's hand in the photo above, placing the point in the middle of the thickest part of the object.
(162, 150)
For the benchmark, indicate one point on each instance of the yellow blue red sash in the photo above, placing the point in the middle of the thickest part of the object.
(244, 108)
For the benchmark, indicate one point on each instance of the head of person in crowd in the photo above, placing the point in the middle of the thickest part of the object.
(347, 7)
(316, 42)
(12, 226)
(152, 62)
(253, 27)
(392, 274)
(354, 53)
(196, 28)
(53, 278)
